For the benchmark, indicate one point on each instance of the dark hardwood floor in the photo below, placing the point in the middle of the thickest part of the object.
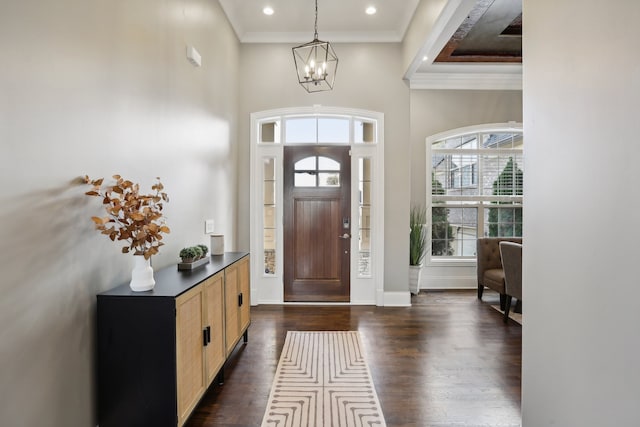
(448, 360)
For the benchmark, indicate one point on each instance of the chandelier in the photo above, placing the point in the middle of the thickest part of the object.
(316, 63)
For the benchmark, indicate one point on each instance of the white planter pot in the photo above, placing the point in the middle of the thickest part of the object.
(142, 275)
(414, 278)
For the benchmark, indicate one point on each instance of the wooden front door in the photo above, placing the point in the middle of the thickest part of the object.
(317, 225)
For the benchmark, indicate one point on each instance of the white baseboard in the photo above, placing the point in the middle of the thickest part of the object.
(267, 302)
(448, 282)
(397, 299)
(363, 302)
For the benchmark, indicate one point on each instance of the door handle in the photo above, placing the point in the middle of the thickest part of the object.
(345, 236)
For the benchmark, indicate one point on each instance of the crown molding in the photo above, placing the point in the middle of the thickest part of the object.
(466, 81)
(330, 36)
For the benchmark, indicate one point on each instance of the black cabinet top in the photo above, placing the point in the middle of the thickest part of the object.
(170, 282)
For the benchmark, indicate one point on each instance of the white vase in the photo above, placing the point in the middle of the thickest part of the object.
(414, 278)
(142, 275)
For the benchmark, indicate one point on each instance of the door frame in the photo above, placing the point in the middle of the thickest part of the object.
(269, 288)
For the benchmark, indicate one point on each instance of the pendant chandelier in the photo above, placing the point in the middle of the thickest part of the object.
(316, 63)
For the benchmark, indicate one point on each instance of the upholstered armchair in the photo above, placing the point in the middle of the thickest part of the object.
(489, 265)
(511, 254)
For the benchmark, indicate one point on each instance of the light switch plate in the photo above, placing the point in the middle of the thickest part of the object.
(208, 226)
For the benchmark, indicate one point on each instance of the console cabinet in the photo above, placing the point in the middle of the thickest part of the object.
(159, 351)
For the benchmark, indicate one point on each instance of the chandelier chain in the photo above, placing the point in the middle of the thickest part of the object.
(315, 34)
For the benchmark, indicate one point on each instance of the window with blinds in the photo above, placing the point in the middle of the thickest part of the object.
(476, 190)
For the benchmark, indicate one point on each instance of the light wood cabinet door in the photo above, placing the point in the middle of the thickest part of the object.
(231, 295)
(189, 351)
(214, 325)
(244, 285)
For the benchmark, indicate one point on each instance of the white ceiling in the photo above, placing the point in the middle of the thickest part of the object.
(345, 21)
(339, 21)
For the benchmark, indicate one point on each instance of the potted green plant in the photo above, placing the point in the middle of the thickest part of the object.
(204, 249)
(189, 254)
(193, 257)
(417, 245)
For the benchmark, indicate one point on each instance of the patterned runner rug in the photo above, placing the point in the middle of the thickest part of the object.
(322, 380)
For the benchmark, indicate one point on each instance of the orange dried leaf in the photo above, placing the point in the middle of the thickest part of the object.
(97, 220)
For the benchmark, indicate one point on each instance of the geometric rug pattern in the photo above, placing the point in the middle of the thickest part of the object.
(323, 379)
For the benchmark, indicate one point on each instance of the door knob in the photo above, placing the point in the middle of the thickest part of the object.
(345, 236)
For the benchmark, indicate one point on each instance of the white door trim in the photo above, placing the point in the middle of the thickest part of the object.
(268, 288)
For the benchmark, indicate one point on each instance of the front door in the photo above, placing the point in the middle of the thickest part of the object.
(317, 225)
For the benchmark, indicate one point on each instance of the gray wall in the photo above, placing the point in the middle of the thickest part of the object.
(99, 88)
(369, 77)
(580, 261)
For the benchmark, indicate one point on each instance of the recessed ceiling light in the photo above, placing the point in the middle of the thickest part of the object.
(268, 10)
(371, 10)
(424, 58)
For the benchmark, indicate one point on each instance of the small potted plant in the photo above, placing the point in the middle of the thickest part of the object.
(204, 249)
(417, 245)
(193, 257)
(189, 254)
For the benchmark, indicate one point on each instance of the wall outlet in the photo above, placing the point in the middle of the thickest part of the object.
(208, 226)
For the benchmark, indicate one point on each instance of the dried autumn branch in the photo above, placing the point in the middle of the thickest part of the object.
(133, 217)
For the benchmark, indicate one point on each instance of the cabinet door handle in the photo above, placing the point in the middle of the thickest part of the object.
(204, 337)
(240, 299)
(208, 334)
